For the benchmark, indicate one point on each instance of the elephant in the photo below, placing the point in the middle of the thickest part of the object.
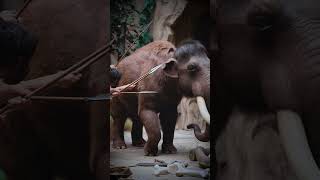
(185, 71)
(266, 61)
(62, 139)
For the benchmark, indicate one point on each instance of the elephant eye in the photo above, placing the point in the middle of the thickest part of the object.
(192, 68)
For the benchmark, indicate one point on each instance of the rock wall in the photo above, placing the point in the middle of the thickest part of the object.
(165, 15)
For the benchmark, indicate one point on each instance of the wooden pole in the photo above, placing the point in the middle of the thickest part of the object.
(57, 98)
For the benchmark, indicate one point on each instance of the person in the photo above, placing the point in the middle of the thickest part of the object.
(16, 49)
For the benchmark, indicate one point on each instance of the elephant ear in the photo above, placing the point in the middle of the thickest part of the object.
(170, 68)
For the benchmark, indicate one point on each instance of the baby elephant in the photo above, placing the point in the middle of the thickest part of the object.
(185, 71)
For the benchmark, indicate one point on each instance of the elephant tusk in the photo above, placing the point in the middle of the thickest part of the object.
(296, 145)
(203, 109)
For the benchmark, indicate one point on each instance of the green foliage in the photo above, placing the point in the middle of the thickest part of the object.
(122, 13)
(2, 175)
(123, 25)
(145, 18)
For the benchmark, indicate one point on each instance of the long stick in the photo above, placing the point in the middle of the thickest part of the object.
(86, 99)
(93, 60)
(100, 97)
(25, 5)
(134, 43)
(142, 77)
(75, 68)
(124, 54)
(57, 98)
(72, 69)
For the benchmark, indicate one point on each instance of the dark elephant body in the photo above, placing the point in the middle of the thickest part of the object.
(62, 139)
(268, 61)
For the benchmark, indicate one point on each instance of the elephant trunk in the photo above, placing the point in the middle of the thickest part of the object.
(296, 146)
(205, 136)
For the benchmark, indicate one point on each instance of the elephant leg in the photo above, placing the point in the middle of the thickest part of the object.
(150, 121)
(119, 119)
(168, 120)
(118, 132)
(136, 132)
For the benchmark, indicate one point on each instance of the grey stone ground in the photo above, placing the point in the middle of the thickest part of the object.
(183, 140)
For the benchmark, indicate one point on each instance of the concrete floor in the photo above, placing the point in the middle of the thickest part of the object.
(184, 142)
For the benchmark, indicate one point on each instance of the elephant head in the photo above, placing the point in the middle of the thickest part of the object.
(269, 60)
(191, 66)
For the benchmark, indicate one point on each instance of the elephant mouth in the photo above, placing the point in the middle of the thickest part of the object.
(296, 146)
(203, 109)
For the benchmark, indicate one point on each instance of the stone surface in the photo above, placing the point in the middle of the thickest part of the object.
(165, 15)
(184, 142)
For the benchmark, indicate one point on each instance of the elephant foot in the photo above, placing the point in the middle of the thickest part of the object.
(169, 149)
(150, 150)
(139, 143)
(119, 144)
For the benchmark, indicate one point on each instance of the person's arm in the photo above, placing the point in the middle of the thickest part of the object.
(23, 88)
(112, 90)
(38, 82)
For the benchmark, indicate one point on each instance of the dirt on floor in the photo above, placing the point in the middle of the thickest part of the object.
(184, 141)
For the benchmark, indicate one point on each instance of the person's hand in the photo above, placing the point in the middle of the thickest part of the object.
(116, 91)
(9, 15)
(69, 79)
(17, 101)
